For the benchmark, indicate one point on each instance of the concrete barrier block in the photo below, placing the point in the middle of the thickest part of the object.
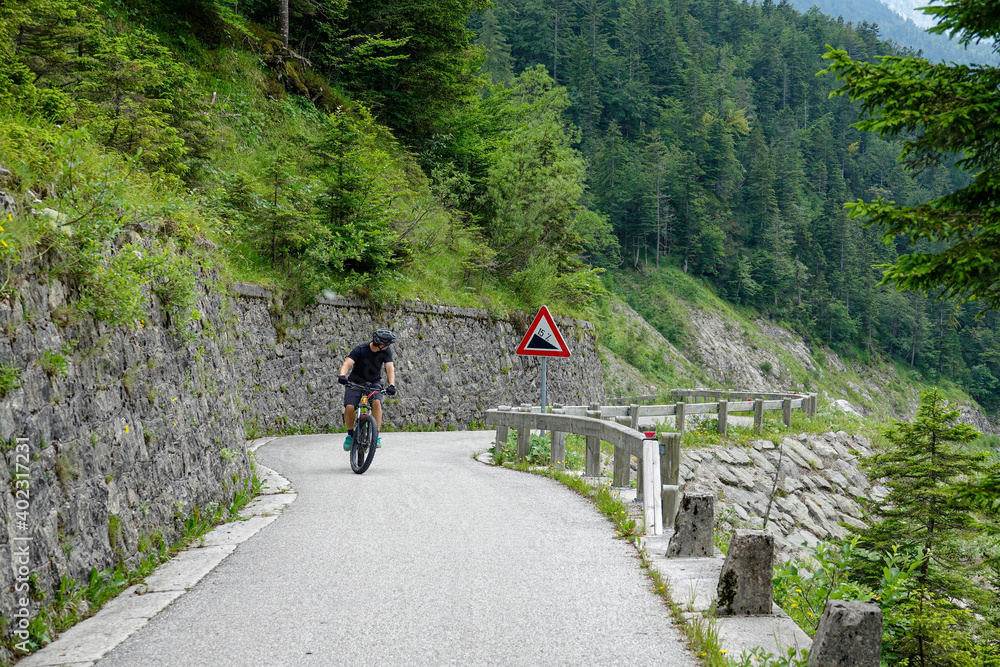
(745, 587)
(849, 635)
(693, 536)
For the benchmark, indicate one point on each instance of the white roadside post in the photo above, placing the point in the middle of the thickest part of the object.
(651, 504)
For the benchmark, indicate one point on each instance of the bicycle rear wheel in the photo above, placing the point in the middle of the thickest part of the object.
(363, 448)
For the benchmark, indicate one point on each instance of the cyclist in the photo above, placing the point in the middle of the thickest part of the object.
(364, 366)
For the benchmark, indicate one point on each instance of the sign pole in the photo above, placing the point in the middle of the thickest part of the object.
(543, 384)
(543, 391)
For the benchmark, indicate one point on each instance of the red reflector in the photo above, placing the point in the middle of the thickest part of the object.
(650, 434)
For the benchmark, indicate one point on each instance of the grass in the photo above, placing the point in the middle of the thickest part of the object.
(10, 379)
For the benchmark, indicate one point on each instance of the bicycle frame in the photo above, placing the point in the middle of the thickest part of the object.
(363, 406)
(366, 437)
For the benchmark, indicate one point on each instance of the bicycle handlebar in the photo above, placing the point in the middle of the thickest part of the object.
(367, 387)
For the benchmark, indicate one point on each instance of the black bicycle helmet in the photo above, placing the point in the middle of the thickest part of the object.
(383, 337)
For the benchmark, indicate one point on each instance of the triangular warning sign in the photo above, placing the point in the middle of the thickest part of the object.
(543, 338)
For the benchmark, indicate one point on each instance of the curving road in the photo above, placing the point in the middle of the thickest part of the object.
(429, 558)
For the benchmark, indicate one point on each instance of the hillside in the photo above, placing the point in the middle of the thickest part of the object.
(705, 342)
(902, 22)
(136, 152)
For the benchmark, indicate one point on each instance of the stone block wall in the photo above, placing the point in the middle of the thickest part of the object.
(451, 363)
(819, 482)
(117, 445)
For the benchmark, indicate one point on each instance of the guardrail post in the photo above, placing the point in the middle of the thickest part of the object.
(814, 404)
(623, 468)
(593, 463)
(558, 450)
(679, 417)
(786, 412)
(523, 437)
(723, 416)
(623, 461)
(652, 510)
(593, 455)
(523, 443)
(758, 415)
(500, 444)
(670, 466)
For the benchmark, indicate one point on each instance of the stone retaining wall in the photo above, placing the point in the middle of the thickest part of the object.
(818, 484)
(138, 427)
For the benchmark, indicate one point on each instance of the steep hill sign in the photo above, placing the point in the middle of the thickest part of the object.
(543, 338)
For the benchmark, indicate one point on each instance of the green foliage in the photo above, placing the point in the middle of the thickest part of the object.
(53, 363)
(925, 468)
(540, 451)
(940, 111)
(356, 236)
(802, 588)
(118, 294)
(758, 657)
(534, 183)
(920, 559)
(918, 627)
(10, 378)
(129, 89)
(410, 60)
(735, 166)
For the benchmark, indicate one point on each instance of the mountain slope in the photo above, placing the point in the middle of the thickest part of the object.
(900, 21)
(706, 342)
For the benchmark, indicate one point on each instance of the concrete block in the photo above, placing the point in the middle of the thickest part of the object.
(186, 569)
(693, 527)
(235, 532)
(775, 634)
(267, 505)
(849, 635)
(745, 587)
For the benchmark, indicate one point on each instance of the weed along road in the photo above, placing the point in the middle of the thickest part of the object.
(429, 558)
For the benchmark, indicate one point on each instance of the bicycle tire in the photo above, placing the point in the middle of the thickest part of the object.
(363, 448)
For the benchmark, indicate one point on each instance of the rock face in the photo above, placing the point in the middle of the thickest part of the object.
(693, 528)
(849, 635)
(818, 484)
(745, 587)
(124, 432)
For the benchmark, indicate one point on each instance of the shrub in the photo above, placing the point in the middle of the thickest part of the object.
(10, 379)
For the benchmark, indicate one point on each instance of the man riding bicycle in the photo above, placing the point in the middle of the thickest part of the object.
(364, 366)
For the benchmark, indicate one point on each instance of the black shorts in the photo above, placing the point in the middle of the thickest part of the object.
(352, 396)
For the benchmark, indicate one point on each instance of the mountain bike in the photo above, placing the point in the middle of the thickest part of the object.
(365, 429)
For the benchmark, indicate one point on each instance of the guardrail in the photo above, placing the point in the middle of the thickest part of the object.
(720, 409)
(659, 467)
(659, 459)
(701, 396)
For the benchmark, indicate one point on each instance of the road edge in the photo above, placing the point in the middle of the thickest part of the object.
(84, 644)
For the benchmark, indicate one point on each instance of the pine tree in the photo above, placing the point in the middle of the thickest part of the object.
(498, 65)
(925, 467)
(940, 111)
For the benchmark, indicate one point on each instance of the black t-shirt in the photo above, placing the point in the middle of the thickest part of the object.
(367, 364)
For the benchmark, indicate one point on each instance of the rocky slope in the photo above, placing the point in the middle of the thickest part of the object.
(727, 350)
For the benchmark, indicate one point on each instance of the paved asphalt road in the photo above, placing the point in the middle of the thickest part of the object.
(429, 558)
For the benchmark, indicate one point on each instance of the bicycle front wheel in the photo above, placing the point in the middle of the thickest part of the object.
(363, 448)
